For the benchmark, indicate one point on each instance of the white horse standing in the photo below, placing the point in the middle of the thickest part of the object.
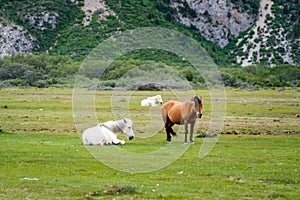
(104, 133)
(150, 101)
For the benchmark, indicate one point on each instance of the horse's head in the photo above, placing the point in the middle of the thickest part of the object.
(159, 99)
(127, 128)
(198, 106)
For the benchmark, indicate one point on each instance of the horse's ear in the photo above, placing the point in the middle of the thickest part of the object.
(196, 98)
(124, 120)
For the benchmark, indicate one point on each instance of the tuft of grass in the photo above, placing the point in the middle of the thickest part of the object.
(113, 190)
(124, 189)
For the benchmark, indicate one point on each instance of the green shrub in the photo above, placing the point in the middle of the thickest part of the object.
(41, 84)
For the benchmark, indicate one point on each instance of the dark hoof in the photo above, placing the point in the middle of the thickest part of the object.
(169, 140)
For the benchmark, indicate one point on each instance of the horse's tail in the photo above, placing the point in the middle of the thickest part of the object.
(164, 113)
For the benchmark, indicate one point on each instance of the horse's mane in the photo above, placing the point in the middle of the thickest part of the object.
(197, 100)
(112, 125)
(115, 126)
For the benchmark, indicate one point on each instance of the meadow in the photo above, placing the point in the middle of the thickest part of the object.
(255, 157)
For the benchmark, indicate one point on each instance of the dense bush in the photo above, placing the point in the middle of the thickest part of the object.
(44, 70)
(36, 70)
(262, 76)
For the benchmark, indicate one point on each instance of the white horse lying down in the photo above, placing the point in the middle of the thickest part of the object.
(104, 133)
(150, 101)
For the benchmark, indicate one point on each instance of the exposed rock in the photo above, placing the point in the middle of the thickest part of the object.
(91, 6)
(266, 42)
(15, 39)
(43, 20)
(220, 21)
(217, 21)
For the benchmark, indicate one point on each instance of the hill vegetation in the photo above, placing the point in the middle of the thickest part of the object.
(62, 41)
(44, 70)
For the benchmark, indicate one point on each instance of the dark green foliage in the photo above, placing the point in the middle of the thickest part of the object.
(186, 11)
(262, 76)
(287, 15)
(251, 6)
(44, 70)
(36, 70)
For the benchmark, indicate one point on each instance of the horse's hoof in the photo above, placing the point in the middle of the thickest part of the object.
(168, 140)
(192, 142)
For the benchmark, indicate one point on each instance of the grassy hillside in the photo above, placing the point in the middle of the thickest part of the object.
(57, 26)
(63, 33)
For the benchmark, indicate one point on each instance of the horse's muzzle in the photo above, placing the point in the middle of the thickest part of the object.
(131, 137)
(199, 115)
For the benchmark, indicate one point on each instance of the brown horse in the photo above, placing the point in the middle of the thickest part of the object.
(174, 112)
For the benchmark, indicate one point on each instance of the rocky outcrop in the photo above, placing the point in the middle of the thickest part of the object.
(267, 42)
(218, 21)
(44, 20)
(15, 39)
(265, 39)
(91, 6)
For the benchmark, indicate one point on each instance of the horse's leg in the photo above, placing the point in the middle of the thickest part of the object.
(191, 132)
(186, 131)
(168, 127)
(168, 133)
(169, 130)
(166, 122)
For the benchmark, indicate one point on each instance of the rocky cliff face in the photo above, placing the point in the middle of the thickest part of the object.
(15, 39)
(217, 20)
(269, 29)
(267, 42)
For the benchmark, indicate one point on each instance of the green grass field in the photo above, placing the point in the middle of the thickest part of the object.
(257, 157)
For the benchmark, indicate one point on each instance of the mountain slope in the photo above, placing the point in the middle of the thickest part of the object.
(238, 32)
(270, 28)
(218, 21)
(274, 38)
